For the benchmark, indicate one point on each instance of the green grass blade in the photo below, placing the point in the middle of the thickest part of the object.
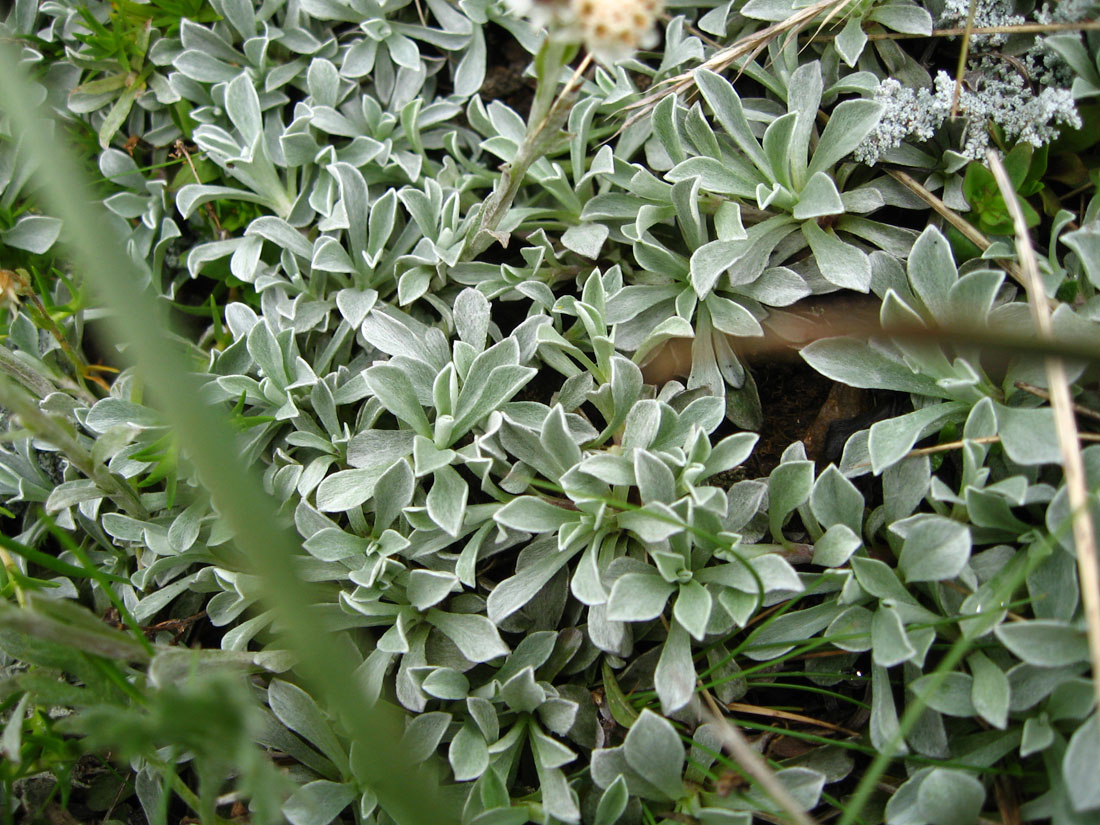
(405, 792)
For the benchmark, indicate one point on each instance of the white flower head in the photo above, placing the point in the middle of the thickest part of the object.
(611, 30)
(614, 29)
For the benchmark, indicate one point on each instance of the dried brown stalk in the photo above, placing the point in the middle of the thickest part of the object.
(964, 54)
(966, 229)
(1065, 425)
(747, 47)
(948, 446)
(753, 764)
(754, 710)
(1039, 392)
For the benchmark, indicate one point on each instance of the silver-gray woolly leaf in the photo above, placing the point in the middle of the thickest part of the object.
(446, 501)
(884, 715)
(836, 546)
(471, 316)
(468, 753)
(33, 233)
(891, 439)
(513, 593)
(638, 597)
(298, 711)
(427, 588)
(473, 634)
(820, 197)
(890, 644)
(522, 693)
(950, 797)
(674, 678)
(391, 386)
(654, 479)
(850, 122)
(991, 693)
(653, 749)
(789, 485)
(1044, 642)
(612, 803)
(840, 262)
(446, 683)
(855, 363)
(533, 515)
(692, 609)
(1028, 435)
(423, 733)
(318, 802)
(934, 548)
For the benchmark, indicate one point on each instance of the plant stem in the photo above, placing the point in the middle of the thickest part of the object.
(1065, 425)
(544, 125)
(964, 55)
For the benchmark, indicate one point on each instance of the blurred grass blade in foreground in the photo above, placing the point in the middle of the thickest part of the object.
(404, 791)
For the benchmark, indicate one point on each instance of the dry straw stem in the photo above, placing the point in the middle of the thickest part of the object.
(1080, 409)
(755, 710)
(753, 764)
(964, 54)
(747, 47)
(949, 446)
(966, 229)
(1065, 425)
(1022, 28)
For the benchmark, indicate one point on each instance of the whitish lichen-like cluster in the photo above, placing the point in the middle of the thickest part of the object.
(1026, 95)
(1064, 11)
(1006, 100)
(909, 114)
(987, 14)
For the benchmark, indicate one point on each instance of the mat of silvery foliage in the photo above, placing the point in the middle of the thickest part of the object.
(544, 555)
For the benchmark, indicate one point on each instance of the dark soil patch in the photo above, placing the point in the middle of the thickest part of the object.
(504, 79)
(791, 396)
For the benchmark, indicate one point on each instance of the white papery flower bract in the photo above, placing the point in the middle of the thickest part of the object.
(611, 30)
(614, 29)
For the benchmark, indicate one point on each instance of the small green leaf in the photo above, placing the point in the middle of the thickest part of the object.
(638, 597)
(653, 749)
(935, 548)
(534, 515)
(612, 803)
(468, 753)
(692, 609)
(991, 692)
(948, 797)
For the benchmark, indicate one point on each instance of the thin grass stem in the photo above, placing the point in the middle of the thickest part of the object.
(1065, 426)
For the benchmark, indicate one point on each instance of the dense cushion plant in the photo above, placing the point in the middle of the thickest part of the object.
(547, 555)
